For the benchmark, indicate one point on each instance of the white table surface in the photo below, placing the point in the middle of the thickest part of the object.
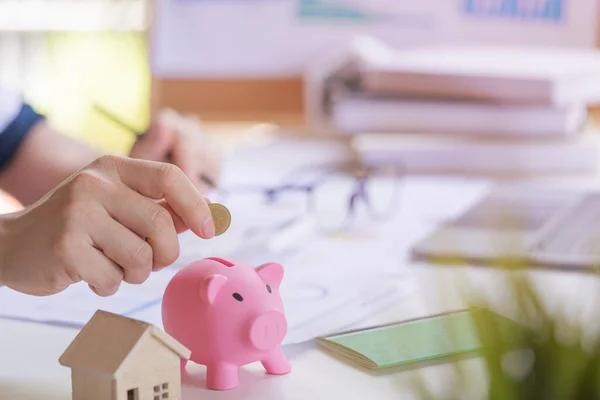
(29, 352)
(29, 368)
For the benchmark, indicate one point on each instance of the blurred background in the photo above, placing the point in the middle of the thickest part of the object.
(233, 60)
(345, 68)
(67, 55)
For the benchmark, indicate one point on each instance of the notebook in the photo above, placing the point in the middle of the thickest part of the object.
(419, 153)
(356, 113)
(521, 226)
(435, 337)
(524, 75)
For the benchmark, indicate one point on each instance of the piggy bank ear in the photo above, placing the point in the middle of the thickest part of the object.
(210, 287)
(271, 273)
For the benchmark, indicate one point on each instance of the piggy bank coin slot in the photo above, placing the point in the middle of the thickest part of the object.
(226, 263)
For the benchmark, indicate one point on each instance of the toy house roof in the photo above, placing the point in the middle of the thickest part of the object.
(107, 339)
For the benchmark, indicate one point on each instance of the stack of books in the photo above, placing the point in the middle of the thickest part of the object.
(461, 109)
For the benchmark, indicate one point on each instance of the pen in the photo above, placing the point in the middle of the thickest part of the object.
(111, 117)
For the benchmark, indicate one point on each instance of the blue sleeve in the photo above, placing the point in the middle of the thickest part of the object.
(15, 133)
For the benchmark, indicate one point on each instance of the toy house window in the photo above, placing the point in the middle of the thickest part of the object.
(133, 394)
(161, 391)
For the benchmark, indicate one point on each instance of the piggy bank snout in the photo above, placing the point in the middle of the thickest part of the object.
(268, 330)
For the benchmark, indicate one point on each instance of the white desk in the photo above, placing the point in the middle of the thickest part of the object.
(29, 352)
(29, 369)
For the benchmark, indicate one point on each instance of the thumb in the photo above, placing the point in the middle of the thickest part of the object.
(180, 226)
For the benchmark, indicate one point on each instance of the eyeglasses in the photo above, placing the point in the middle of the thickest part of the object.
(333, 193)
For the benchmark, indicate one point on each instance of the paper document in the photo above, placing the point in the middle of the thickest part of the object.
(329, 285)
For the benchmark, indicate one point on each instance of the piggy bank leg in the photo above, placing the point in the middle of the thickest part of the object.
(183, 365)
(222, 376)
(277, 363)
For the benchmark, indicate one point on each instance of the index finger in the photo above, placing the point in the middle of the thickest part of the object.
(159, 181)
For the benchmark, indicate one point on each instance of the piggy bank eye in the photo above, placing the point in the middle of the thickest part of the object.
(269, 289)
(238, 297)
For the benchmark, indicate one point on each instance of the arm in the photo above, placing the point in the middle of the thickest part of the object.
(34, 158)
(41, 159)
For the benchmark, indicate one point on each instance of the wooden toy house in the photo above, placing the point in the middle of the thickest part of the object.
(119, 358)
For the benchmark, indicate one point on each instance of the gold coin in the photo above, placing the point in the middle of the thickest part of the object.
(221, 217)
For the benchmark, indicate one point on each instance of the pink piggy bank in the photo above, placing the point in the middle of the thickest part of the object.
(228, 315)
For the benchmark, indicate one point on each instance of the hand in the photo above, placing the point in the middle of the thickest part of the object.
(180, 140)
(115, 220)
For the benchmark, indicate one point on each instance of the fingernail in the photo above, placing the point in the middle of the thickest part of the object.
(208, 228)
